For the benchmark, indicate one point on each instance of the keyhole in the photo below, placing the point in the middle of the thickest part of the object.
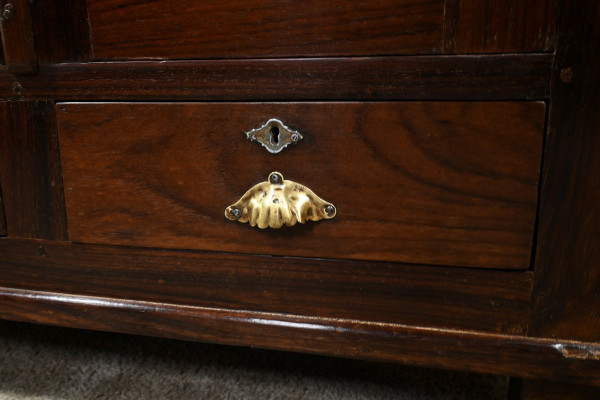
(275, 135)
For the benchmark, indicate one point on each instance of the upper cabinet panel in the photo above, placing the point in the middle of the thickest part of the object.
(499, 26)
(179, 29)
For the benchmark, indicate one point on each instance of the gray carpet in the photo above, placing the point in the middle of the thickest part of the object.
(39, 362)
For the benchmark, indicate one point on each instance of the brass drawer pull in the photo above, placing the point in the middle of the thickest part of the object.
(279, 202)
(274, 135)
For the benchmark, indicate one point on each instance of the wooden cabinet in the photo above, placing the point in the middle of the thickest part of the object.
(458, 141)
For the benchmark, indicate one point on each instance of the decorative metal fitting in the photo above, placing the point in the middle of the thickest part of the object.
(279, 202)
(274, 135)
(7, 12)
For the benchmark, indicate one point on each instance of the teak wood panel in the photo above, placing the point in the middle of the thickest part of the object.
(457, 298)
(437, 183)
(177, 29)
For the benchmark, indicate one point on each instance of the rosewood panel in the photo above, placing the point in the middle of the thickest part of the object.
(30, 173)
(379, 78)
(464, 350)
(499, 26)
(492, 301)
(17, 37)
(177, 29)
(567, 295)
(433, 183)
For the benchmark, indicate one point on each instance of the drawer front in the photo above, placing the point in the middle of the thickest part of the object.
(448, 183)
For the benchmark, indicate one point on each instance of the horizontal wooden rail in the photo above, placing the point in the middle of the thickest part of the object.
(488, 77)
(566, 361)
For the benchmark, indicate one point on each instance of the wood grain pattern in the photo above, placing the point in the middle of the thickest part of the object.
(567, 268)
(458, 298)
(483, 353)
(380, 78)
(433, 183)
(177, 29)
(61, 27)
(17, 38)
(30, 171)
(499, 26)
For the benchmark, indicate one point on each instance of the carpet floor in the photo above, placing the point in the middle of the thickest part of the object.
(41, 362)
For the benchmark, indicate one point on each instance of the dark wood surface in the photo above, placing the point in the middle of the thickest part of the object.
(499, 26)
(61, 28)
(527, 389)
(30, 174)
(416, 314)
(457, 298)
(177, 29)
(464, 350)
(2, 56)
(567, 294)
(2, 219)
(380, 78)
(165, 29)
(432, 183)
(17, 38)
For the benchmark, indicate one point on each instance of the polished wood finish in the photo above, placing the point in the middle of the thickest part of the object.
(30, 174)
(62, 27)
(567, 296)
(177, 29)
(385, 78)
(539, 323)
(442, 348)
(432, 183)
(492, 301)
(121, 29)
(17, 38)
(499, 26)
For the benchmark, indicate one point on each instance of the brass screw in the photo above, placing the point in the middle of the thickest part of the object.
(329, 210)
(17, 88)
(566, 75)
(275, 178)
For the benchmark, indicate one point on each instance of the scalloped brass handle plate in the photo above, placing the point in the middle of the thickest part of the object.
(274, 135)
(279, 202)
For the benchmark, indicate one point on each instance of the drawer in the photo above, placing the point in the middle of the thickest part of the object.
(445, 183)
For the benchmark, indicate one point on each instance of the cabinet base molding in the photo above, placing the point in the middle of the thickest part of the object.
(439, 348)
